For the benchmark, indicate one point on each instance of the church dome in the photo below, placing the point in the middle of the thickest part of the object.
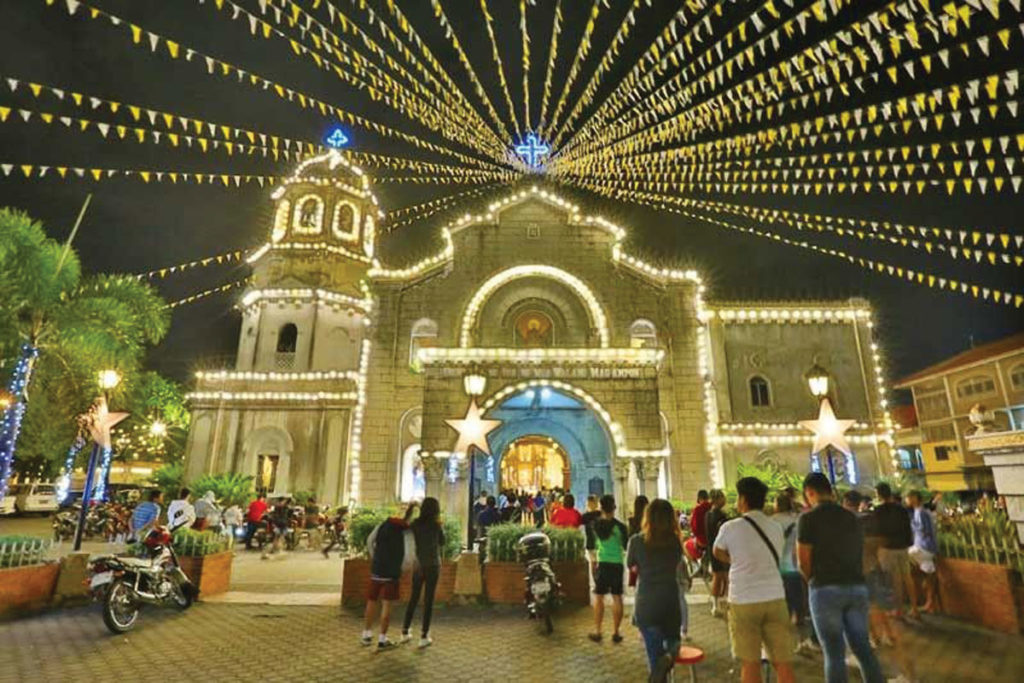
(331, 167)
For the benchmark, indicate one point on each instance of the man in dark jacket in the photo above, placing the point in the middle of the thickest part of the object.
(386, 547)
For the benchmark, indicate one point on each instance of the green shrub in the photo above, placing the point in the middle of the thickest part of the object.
(169, 479)
(362, 523)
(566, 544)
(17, 551)
(229, 489)
(191, 543)
(453, 533)
(302, 497)
(774, 477)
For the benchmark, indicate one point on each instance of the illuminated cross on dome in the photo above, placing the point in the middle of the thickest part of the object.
(532, 150)
(336, 139)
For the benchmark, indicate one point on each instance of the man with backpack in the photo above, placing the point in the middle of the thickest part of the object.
(752, 546)
(386, 548)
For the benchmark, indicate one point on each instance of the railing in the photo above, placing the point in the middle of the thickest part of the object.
(23, 552)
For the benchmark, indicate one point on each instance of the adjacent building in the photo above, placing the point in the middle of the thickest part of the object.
(989, 378)
(608, 374)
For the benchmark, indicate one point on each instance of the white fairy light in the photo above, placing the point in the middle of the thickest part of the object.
(612, 356)
(262, 396)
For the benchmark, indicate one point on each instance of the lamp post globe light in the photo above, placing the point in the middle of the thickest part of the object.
(474, 384)
(817, 381)
(157, 428)
(109, 379)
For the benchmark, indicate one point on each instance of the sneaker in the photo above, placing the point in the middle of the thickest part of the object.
(596, 637)
(659, 674)
(405, 638)
(807, 647)
(616, 638)
(852, 661)
(386, 644)
(366, 640)
(426, 641)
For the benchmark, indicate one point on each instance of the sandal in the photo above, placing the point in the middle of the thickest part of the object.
(596, 637)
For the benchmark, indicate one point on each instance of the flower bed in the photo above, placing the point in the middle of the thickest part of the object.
(28, 587)
(981, 593)
(206, 558)
(355, 577)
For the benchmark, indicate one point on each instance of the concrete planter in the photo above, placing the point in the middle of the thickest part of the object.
(211, 573)
(27, 588)
(355, 577)
(983, 594)
(504, 585)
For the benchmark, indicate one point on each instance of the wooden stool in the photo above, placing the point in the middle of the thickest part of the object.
(690, 656)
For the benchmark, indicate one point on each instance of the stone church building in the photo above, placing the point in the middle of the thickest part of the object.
(607, 374)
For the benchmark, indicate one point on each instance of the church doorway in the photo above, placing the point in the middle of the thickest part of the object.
(535, 462)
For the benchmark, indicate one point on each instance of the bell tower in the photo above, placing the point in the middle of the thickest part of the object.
(307, 309)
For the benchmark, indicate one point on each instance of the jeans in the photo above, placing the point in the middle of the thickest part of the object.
(658, 643)
(839, 611)
(250, 531)
(428, 575)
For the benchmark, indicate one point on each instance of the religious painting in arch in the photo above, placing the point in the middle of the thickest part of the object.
(534, 462)
(266, 472)
(533, 330)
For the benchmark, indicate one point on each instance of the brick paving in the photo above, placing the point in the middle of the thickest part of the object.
(224, 642)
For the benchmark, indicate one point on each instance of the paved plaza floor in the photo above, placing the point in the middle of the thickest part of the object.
(251, 643)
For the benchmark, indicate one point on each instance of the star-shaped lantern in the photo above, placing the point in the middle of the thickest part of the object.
(828, 431)
(473, 429)
(102, 421)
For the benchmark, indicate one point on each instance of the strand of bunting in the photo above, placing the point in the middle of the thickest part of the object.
(296, 150)
(913, 276)
(418, 212)
(922, 112)
(724, 109)
(42, 171)
(608, 59)
(355, 69)
(525, 36)
(215, 67)
(975, 246)
(434, 180)
(549, 69)
(460, 53)
(496, 55)
(236, 256)
(586, 41)
(209, 292)
(406, 27)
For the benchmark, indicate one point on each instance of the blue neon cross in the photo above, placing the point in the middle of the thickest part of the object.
(532, 150)
(336, 139)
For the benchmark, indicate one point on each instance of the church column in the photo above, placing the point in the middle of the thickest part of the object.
(456, 503)
(433, 472)
(647, 471)
(622, 493)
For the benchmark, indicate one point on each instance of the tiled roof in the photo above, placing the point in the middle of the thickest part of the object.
(999, 347)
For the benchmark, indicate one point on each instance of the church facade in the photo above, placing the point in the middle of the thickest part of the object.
(607, 374)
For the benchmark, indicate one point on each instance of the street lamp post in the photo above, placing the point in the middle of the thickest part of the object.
(828, 431)
(100, 422)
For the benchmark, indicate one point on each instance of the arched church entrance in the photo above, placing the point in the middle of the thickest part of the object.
(548, 438)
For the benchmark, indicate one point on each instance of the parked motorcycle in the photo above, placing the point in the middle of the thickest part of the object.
(64, 523)
(124, 583)
(543, 591)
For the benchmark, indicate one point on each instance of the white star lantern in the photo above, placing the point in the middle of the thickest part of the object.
(473, 429)
(102, 422)
(828, 431)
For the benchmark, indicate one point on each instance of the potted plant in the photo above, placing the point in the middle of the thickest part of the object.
(503, 573)
(356, 567)
(27, 580)
(206, 558)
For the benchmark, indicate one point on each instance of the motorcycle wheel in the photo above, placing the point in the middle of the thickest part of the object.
(119, 610)
(181, 597)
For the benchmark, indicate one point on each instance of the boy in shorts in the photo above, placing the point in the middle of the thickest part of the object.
(386, 546)
(610, 537)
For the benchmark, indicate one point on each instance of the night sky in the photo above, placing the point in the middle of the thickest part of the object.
(135, 227)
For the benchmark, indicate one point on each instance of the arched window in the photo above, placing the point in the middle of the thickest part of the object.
(280, 221)
(643, 334)
(975, 387)
(287, 337)
(414, 482)
(1017, 377)
(760, 393)
(423, 335)
(308, 218)
(345, 223)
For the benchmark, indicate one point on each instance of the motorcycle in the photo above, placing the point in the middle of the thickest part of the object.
(64, 524)
(124, 583)
(543, 591)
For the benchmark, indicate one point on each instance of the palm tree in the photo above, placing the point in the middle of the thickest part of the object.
(62, 325)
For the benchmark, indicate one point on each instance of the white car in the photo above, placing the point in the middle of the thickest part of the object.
(35, 497)
(7, 504)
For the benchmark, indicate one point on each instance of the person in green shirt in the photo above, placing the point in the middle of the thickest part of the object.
(610, 537)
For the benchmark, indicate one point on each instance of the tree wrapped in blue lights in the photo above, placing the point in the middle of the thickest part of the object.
(64, 483)
(17, 397)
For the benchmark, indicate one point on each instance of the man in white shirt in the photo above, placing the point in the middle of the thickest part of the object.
(752, 545)
(180, 513)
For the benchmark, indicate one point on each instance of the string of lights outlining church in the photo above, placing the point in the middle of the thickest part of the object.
(579, 365)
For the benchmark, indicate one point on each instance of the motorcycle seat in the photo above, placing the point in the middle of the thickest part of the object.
(134, 561)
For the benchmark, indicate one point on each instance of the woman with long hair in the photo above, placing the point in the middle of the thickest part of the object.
(654, 554)
(636, 521)
(429, 536)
